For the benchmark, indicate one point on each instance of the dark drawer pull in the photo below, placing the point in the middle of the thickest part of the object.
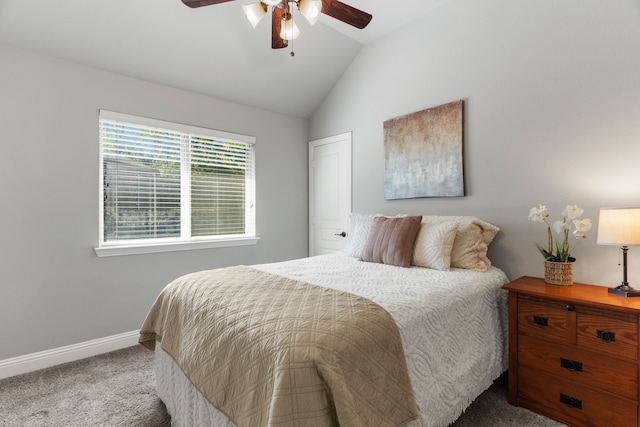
(605, 335)
(570, 307)
(540, 321)
(571, 401)
(571, 365)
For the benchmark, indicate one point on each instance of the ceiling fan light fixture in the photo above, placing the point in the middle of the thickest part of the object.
(283, 29)
(310, 9)
(255, 12)
(289, 30)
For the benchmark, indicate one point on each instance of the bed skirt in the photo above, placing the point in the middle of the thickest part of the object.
(187, 406)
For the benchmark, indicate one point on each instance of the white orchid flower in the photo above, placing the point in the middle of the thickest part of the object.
(538, 213)
(560, 226)
(582, 226)
(558, 251)
(572, 212)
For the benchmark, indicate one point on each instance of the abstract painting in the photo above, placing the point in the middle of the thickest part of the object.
(423, 154)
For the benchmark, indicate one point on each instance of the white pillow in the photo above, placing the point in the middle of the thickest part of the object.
(360, 229)
(433, 245)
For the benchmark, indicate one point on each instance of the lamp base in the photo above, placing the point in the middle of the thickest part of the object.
(625, 291)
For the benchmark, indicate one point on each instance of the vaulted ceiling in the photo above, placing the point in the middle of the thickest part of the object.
(211, 50)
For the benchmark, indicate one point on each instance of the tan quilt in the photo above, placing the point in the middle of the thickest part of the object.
(271, 351)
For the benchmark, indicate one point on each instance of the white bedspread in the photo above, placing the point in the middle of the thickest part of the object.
(453, 326)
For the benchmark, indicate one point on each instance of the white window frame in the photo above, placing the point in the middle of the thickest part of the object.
(143, 246)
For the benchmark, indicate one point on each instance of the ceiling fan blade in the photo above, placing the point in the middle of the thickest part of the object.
(345, 13)
(200, 3)
(277, 42)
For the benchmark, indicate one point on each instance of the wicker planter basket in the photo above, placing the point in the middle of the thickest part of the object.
(558, 273)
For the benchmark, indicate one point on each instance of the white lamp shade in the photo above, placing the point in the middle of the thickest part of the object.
(255, 12)
(272, 2)
(619, 226)
(310, 9)
(289, 29)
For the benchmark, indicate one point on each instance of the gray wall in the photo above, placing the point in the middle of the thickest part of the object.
(552, 116)
(54, 291)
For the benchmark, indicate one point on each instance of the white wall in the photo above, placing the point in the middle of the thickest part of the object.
(552, 116)
(54, 291)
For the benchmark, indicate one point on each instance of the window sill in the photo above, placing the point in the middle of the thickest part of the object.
(107, 251)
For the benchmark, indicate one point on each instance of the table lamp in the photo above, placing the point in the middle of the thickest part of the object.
(620, 226)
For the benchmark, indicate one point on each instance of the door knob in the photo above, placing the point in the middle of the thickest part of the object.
(343, 234)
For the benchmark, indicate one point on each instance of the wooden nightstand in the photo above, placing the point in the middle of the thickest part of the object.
(573, 352)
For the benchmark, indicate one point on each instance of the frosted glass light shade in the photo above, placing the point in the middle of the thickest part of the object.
(310, 9)
(289, 29)
(272, 2)
(619, 226)
(255, 12)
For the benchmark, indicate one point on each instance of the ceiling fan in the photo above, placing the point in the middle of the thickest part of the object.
(283, 28)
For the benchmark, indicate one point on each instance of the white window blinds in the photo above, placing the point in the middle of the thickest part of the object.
(165, 181)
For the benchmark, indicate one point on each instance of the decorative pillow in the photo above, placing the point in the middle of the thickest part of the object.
(391, 240)
(472, 241)
(433, 245)
(359, 233)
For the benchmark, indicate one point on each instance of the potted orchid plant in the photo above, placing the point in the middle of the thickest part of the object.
(559, 251)
(557, 260)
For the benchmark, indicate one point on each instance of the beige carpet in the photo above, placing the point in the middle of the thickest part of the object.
(113, 389)
(117, 389)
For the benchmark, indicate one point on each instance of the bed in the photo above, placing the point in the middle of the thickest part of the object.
(446, 306)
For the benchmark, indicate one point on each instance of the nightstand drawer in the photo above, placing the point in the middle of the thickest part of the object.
(544, 319)
(608, 332)
(588, 368)
(572, 402)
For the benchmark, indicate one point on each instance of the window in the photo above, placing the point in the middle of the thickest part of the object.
(168, 186)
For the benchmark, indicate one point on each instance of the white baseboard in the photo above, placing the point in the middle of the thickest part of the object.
(44, 359)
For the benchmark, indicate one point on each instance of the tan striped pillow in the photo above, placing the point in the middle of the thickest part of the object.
(391, 240)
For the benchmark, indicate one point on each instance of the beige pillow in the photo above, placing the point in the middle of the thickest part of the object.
(471, 243)
(434, 244)
(391, 240)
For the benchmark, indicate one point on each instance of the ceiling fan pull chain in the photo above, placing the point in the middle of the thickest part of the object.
(290, 22)
(292, 52)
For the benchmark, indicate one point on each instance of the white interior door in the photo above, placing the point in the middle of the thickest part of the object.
(329, 193)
